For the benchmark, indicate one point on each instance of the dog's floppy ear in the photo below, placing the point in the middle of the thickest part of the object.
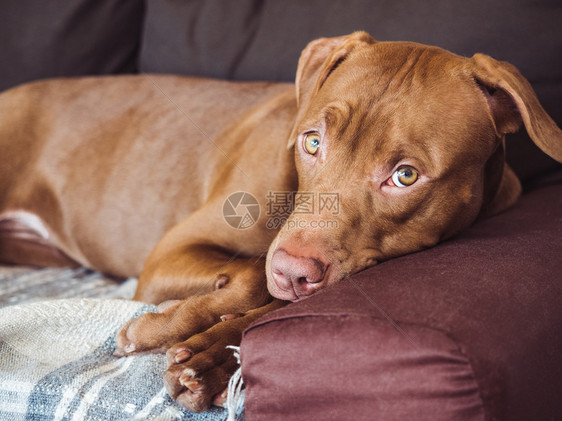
(317, 61)
(320, 58)
(512, 100)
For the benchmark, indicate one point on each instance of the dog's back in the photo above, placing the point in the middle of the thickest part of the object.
(108, 165)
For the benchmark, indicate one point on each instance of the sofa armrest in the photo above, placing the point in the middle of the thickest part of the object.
(469, 329)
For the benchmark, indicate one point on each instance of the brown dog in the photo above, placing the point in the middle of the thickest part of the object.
(404, 142)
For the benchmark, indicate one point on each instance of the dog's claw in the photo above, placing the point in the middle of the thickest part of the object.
(178, 354)
(230, 316)
(191, 384)
(220, 398)
(182, 356)
(129, 348)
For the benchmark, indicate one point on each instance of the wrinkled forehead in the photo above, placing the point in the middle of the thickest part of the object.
(393, 64)
(386, 75)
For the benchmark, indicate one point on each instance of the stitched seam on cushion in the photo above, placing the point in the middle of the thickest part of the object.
(358, 316)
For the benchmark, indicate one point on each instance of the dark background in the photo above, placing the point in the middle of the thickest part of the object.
(262, 40)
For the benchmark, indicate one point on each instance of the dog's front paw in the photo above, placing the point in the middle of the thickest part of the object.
(199, 368)
(154, 332)
(146, 333)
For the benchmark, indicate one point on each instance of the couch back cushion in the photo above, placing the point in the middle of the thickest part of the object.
(42, 39)
(262, 40)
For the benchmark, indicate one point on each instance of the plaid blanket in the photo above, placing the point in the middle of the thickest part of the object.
(56, 359)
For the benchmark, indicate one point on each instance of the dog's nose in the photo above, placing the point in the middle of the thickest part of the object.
(301, 275)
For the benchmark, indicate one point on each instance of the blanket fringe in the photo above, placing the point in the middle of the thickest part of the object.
(235, 398)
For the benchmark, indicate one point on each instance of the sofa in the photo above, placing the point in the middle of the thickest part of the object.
(468, 330)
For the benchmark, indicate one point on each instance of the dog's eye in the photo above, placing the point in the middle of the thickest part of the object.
(311, 143)
(405, 176)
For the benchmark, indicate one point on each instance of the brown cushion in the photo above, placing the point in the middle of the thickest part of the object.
(42, 39)
(467, 328)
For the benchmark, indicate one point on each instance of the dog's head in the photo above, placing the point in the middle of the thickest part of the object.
(397, 146)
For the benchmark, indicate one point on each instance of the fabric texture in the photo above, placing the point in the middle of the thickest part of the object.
(56, 359)
(358, 365)
(23, 285)
(408, 338)
(68, 38)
